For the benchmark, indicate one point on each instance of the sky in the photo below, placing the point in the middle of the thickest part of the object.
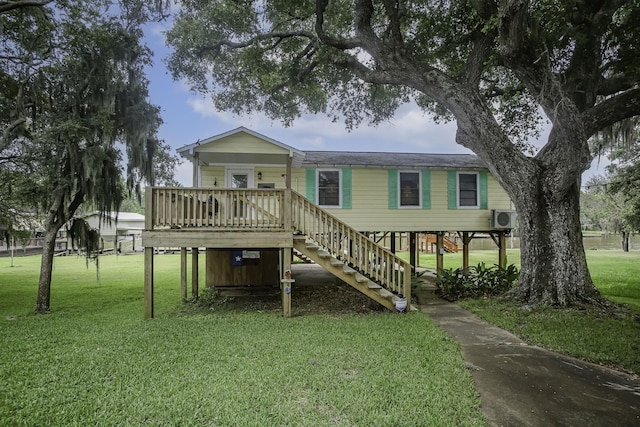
(189, 117)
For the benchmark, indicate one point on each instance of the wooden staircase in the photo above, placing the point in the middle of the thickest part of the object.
(349, 255)
(302, 257)
(450, 245)
(344, 272)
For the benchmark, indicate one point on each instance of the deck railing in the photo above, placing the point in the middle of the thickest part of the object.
(265, 209)
(178, 207)
(351, 246)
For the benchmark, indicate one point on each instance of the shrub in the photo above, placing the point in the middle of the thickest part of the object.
(479, 281)
(208, 297)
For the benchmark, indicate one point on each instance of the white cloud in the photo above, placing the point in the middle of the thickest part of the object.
(184, 174)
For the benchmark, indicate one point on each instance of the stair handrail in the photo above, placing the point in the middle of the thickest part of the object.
(349, 245)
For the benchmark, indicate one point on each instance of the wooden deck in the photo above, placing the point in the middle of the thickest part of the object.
(267, 218)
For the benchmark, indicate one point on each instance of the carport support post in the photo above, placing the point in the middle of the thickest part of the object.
(148, 283)
(194, 273)
(439, 251)
(183, 274)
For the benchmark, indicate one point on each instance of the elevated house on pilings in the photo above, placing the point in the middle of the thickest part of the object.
(256, 202)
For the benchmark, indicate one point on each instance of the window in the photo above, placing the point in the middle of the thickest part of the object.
(409, 189)
(329, 187)
(468, 190)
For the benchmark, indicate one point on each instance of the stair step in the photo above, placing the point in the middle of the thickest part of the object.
(324, 254)
(336, 263)
(299, 237)
(349, 271)
(312, 247)
(373, 285)
(386, 294)
(361, 279)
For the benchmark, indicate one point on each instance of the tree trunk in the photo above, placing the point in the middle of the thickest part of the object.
(553, 263)
(46, 267)
(624, 240)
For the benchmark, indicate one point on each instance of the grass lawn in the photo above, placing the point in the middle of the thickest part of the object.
(95, 361)
(595, 336)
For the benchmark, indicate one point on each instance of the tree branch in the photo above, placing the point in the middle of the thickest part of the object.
(338, 43)
(6, 6)
(612, 110)
(215, 48)
(6, 134)
(480, 52)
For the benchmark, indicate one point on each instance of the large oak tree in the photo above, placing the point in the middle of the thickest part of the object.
(494, 66)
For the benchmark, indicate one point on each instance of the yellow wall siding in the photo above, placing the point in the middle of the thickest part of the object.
(211, 174)
(241, 143)
(370, 206)
(270, 175)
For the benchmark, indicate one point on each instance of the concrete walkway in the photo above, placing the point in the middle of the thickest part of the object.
(523, 385)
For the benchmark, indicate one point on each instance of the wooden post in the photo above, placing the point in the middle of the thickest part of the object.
(196, 160)
(502, 250)
(439, 251)
(286, 281)
(501, 242)
(412, 251)
(287, 178)
(148, 255)
(407, 289)
(148, 283)
(194, 273)
(465, 251)
(183, 274)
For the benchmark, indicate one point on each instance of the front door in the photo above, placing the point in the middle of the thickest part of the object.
(239, 178)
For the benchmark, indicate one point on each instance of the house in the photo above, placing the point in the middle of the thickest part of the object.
(255, 201)
(117, 226)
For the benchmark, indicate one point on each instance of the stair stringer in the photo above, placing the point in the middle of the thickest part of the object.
(345, 273)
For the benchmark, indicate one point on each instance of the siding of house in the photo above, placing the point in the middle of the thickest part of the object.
(211, 174)
(373, 210)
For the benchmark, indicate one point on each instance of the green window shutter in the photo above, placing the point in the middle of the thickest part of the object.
(484, 190)
(346, 188)
(311, 185)
(426, 189)
(452, 189)
(393, 188)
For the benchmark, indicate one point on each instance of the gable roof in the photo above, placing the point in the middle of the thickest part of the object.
(400, 160)
(188, 151)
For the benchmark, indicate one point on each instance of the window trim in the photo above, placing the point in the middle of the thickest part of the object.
(419, 205)
(318, 171)
(459, 189)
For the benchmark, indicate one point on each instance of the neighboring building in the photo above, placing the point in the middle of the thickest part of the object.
(117, 228)
(255, 199)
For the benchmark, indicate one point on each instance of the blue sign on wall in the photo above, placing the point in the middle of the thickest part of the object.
(236, 258)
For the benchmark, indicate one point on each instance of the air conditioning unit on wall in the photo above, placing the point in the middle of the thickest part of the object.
(503, 220)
